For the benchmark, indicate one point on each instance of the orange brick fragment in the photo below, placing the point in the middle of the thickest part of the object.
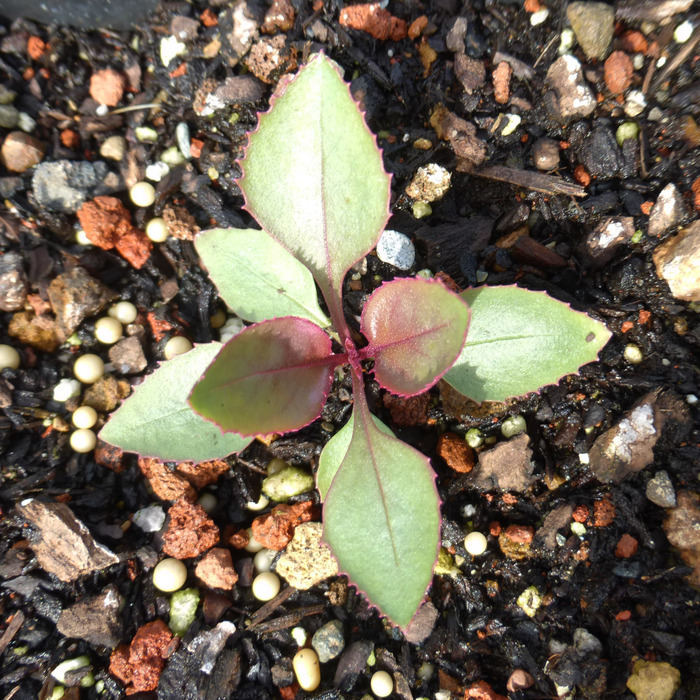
(634, 42)
(646, 207)
(371, 18)
(580, 514)
(695, 187)
(208, 18)
(581, 176)
(623, 615)
(417, 26)
(603, 512)
(36, 47)
(457, 454)
(627, 326)
(619, 72)
(501, 82)
(275, 529)
(626, 547)
(70, 139)
(481, 690)
(107, 87)
(532, 6)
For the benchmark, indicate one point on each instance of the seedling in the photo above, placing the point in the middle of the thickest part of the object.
(313, 179)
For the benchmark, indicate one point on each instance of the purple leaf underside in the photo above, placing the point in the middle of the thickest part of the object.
(273, 377)
(416, 329)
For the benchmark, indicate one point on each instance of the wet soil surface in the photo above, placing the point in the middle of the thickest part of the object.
(586, 587)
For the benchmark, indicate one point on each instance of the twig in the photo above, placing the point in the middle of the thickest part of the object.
(678, 60)
(270, 607)
(12, 629)
(530, 180)
(282, 623)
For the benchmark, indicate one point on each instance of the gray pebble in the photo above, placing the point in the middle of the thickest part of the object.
(14, 285)
(329, 641)
(574, 98)
(600, 154)
(545, 154)
(396, 249)
(593, 24)
(9, 116)
(65, 185)
(587, 644)
(660, 490)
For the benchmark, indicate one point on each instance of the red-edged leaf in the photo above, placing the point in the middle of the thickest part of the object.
(271, 378)
(416, 329)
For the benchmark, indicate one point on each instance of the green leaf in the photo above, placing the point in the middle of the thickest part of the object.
(272, 377)
(519, 341)
(382, 520)
(157, 421)
(313, 175)
(334, 452)
(256, 277)
(416, 329)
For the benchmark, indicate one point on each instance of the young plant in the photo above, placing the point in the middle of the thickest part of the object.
(314, 180)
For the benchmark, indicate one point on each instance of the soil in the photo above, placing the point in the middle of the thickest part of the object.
(624, 574)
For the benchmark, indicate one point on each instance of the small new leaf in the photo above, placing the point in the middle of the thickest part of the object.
(272, 377)
(313, 176)
(520, 341)
(381, 519)
(256, 277)
(416, 330)
(157, 421)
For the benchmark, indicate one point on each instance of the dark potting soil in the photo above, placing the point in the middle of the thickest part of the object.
(614, 589)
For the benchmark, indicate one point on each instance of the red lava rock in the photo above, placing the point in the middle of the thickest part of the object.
(239, 539)
(633, 42)
(618, 72)
(139, 665)
(275, 529)
(626, 547)
(581, 513)
(522, 534)
(215, 569)
(519, 680)
(159, 325)
(456, 453)
(181, 223)
(107, 87)
(70, 139)
(36, 47)
(370, 18)
(190, 531)
(21, 151)
(417, 26)
(204, 473)
(603, 512)
(532, 6)
(107, 224)
(695, 187)
(495, 528)
(279, 18)
(109, 456)
(623, 615)
(501, 82)
(209, 19)
(581, 176)
(481, 690)
(166, 484)
(407, 412)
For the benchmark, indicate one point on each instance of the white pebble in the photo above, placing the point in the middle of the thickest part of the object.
(83, 440)
(9, 357)
(124, 311)
(170, 48)
(512, 124)
(66, 389)
(108, 330)
(149, 519)
(231, 328)
(177, 345)
(261, 503)
(182, 134)
(169, 575)
(635, 104)
(566, 41)
(633, 354)
(299, 635)
(143, 194)
(396, 249)
(157, 230)
(513, 425)
(81, 237)
(84, 417)
(539, 17)
(683, 32)
(266, 586)
(307, 669)
(253, 545)
(208, 502)
(475, 543)
(263, 559)
(157, 171)
(382, 684)
(88, 368)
